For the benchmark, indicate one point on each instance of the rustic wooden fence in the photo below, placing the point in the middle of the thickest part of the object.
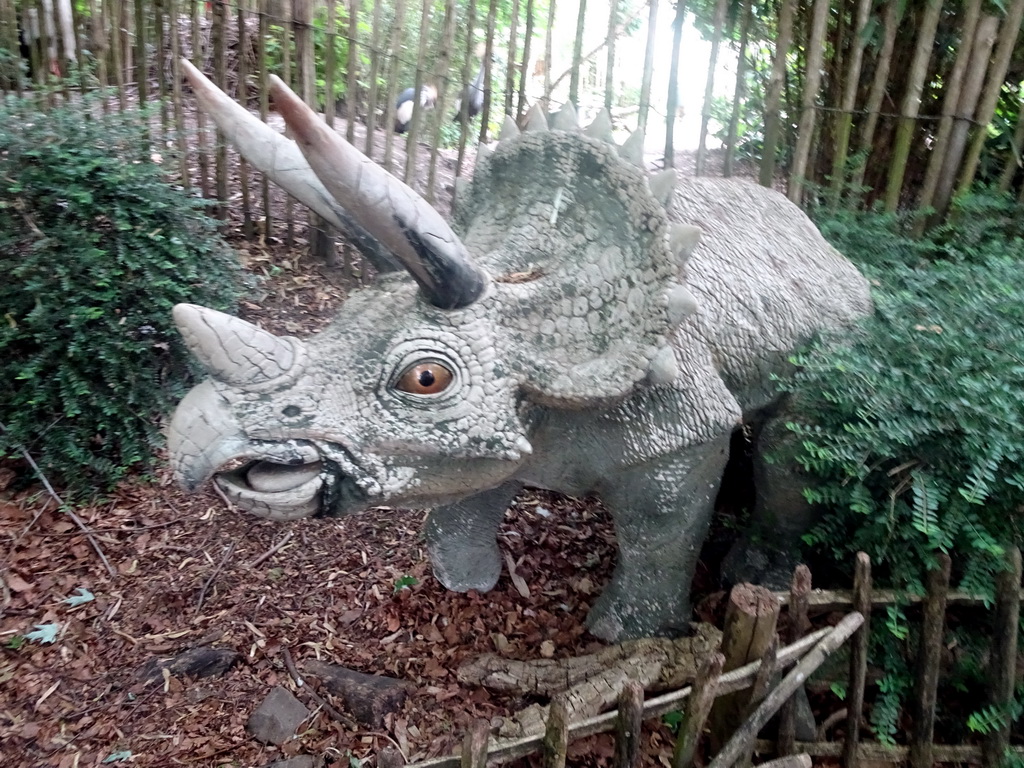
(739, 690)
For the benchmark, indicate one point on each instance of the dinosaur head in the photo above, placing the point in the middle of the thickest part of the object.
(560, 290)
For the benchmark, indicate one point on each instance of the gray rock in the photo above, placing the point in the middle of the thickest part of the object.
(299, 761)
(275, 720)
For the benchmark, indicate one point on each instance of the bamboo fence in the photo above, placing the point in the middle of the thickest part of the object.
(351, 59)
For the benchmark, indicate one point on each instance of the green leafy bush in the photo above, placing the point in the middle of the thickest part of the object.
(914, 426)
(95, 249)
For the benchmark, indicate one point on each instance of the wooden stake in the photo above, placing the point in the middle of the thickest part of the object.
(1002, 664)
(858, 659)
(697, 709)
(556, 735)
(928, 661)
(750, 620)
(628, 725)
(739, 742)
(798, 624)
(474, 746)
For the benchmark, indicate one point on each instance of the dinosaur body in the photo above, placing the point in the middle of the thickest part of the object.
(580, 327)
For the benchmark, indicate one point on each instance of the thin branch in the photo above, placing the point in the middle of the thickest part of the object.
(272, 551)
(67, 510)
(209, 581)
(300, 682)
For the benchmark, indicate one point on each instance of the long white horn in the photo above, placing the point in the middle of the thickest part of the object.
(282, 161)
(408, 225)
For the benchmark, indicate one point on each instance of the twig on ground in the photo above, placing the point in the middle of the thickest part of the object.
(209, 581)
(300, 682)
(272, 551)
(223, 497)
(67, 510)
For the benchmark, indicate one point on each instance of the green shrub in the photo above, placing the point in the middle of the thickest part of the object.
(95, 249)
(915, 426)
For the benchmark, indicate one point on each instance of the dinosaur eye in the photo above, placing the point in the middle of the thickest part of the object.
(425, 379)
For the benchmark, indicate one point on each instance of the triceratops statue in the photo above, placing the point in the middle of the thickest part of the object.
(582, 327)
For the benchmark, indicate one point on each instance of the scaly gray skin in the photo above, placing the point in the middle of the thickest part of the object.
(594, 342)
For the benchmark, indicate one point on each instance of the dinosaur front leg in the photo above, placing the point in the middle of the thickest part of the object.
(661, 511)
(462, 539)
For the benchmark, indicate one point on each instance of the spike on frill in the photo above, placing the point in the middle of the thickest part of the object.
(663, 184)
(682, 240)
(601, 128)
(565, 118)
(509, 129)
(632, 149)
(535, 119)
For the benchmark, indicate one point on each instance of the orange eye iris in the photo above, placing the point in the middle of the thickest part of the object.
(425, 379)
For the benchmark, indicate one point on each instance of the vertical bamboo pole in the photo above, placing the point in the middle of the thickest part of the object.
(766, 673)
(963, 95)
(141, 74)
(548, 36)
(352, 87)
(219, 42)
(577, 54)
(858, 660)
(100, 43)
(609, 74)
(394, 74)
(63, 48)
(525, 67)
(114, 11)
(286, 75)
(851, 81)
(1008, 33)
(1002, 665)
(808, 107)
(773, 97)
(510, 67)
(176, 96)
(160, 48)
(264, 92)
(672, 103)
(243, 98)
(698, 707)
(77, 35)
(197, 60)
(911, 103)
(648, 75)
(331, 64)
(9, 41)
(709, 84)
(628, 725)
(739, 90)
(321, 245)
(444, 62)
(929, 658)
(464, 82)
(798, 624)
(492, 15)
(556, 734)
(890, 25)
(371, 106)
(1013, 162)
(413, 136)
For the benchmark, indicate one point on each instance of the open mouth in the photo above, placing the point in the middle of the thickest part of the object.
(274, 490)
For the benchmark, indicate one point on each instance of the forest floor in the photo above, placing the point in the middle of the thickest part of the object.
(188, 571)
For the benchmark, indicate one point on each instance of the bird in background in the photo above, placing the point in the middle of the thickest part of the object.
(471, 101)
(405, 104)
